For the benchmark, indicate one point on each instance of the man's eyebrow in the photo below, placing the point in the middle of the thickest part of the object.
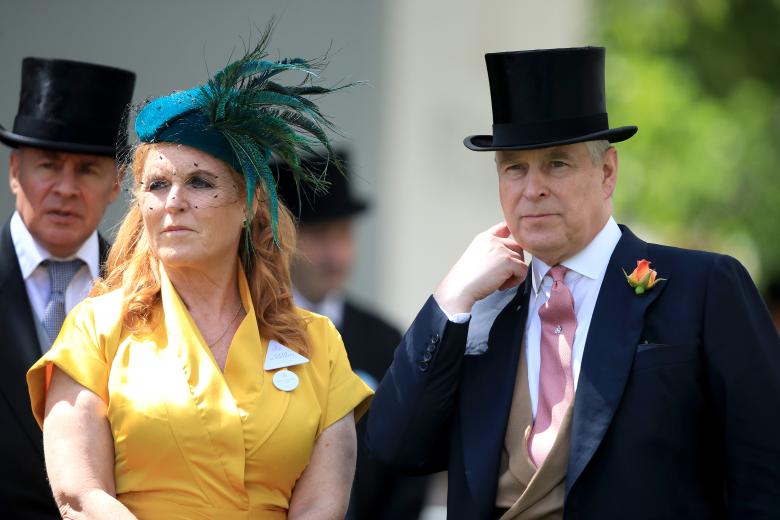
(508, 159)
(558, 153)
(49, 154)
(85, 163)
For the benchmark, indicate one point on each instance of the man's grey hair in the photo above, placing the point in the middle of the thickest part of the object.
(597, 149)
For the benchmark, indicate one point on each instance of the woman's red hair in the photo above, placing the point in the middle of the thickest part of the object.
(133, 267)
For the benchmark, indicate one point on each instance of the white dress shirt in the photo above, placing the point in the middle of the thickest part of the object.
(30, 254)
(586, 272)
(332, 306)
(584, 277)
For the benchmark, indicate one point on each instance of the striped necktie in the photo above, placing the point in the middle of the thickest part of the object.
(60, 275)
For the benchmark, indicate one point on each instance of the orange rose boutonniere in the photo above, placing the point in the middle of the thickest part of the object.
(643, 278)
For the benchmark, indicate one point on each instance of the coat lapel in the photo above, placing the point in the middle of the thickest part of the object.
(614, 332)
(19, 347)
(486, 391)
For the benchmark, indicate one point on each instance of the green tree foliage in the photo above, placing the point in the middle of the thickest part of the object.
(701, 79)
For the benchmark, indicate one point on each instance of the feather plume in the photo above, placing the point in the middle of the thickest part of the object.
(262, 119)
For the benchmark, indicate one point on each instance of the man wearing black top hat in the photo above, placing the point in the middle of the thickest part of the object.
(63, 174)
(609, 379)
(320, 270)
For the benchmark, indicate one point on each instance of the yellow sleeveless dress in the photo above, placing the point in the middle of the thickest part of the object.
(190, 441)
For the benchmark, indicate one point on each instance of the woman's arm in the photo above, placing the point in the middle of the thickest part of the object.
(322, 492)
(79, 451)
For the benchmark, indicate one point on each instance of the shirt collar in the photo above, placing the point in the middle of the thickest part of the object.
(332, 306)
(30, 253)
(589, 262)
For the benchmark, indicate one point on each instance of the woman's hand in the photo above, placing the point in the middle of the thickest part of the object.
(79, 451)
(322, 492)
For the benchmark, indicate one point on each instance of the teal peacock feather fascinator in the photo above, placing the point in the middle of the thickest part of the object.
(245, 117)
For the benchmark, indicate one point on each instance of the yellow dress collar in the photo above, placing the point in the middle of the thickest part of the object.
(223, 400)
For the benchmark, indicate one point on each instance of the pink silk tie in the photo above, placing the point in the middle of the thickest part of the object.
(556, 383)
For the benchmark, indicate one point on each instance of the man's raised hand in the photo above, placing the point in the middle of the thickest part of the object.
(493, 261)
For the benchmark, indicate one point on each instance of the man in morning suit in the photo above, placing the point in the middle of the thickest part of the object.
(63, 175)
(326, 256)
(567, 389)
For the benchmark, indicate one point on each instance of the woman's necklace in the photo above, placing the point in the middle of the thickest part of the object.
(238, 311)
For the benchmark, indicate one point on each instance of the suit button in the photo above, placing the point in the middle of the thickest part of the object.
(434, 339)
(431, 348)
(423, 367)
(427, 357)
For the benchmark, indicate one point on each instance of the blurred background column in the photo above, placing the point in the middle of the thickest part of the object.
(434, 195)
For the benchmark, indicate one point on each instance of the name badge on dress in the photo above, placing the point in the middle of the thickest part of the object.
(279, 356)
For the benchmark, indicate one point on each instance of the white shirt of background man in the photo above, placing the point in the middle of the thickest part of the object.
(30, 254)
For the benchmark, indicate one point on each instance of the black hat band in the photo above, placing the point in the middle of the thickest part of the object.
(509, 134)
(75, 131)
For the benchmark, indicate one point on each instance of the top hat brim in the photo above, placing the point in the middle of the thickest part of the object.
(15, 140)
(484, 143)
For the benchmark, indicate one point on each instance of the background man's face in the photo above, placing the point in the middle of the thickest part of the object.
(327, 252)
(61, 196)
(555, 200)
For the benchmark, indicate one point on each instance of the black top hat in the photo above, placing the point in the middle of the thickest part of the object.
(310, 207)
(545, 98)
(71, 106)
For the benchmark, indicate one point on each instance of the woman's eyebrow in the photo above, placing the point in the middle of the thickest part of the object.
(166, 172)
(201, 171)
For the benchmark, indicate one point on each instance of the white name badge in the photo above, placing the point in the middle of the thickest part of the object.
(279, 356)
(285, 380)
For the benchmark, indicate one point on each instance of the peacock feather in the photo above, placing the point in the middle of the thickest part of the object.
(259, 119)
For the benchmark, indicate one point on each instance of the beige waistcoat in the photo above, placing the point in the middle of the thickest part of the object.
(531, 494)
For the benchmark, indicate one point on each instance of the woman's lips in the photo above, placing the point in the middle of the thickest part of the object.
(175, 229)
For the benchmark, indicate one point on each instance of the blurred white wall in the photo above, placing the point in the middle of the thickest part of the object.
(427, 89)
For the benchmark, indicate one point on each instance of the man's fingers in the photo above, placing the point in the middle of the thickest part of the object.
(510, 243)
(513, 281)
(520, 267)
(499, 230)
(519, 272)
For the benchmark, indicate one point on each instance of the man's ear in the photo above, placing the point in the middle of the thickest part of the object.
(120, 175)
(13, 170)
(609, 172)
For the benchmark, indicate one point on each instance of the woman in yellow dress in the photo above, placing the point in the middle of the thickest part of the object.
(189, 386)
